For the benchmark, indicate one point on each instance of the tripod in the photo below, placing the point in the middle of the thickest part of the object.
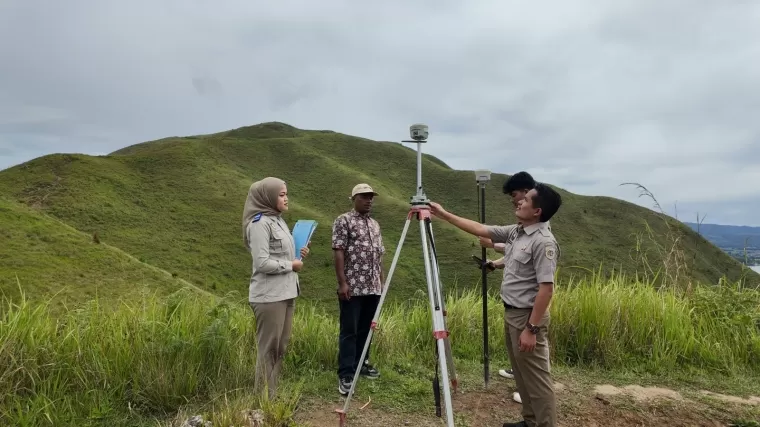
(420, 208)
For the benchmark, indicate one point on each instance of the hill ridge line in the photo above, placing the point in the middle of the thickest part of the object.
(156, 269)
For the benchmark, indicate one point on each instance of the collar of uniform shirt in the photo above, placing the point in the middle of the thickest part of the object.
(534, 227)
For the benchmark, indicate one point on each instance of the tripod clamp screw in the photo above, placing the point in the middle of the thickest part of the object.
(419, 200)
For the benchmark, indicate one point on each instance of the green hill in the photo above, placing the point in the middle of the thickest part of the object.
(176, 204)
(44, 256)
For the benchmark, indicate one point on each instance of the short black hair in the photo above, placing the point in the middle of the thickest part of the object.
(548, 200)
(519, 181)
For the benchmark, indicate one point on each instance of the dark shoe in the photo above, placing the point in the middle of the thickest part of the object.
(344, 386)
(369, 371)
(520, 424)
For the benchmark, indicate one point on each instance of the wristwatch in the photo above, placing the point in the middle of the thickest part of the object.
(532, 328)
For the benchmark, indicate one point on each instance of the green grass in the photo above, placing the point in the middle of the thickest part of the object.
(66, 265)
(176, 203)
(162, 358)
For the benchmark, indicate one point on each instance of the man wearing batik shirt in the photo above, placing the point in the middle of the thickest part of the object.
(358, 252)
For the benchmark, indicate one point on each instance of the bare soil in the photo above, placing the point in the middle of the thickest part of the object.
(599, 405)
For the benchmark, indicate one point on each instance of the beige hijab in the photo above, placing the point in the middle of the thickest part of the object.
(262, 198)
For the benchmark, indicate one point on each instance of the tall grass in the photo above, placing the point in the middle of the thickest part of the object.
(146, 360)
(623, 323)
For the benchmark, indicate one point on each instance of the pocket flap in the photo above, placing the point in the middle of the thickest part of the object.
(278, 234)
(523, 257)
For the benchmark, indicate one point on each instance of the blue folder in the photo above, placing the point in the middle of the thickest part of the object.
(302, 232)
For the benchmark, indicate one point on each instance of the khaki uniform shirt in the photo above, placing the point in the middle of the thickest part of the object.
(272, 252)
(505, 250)
(530, 258)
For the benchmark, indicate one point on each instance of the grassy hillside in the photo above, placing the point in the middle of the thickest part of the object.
(45, 257)
(176, 204)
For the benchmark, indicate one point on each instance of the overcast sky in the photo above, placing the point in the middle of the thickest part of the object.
(583, 94)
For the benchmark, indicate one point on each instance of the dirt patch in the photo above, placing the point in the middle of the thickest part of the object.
(639, 393)
(485, 410)
(599, 415)
(478, 408)
(577, 404)
(364, 417)
(491, 408)
(752, 400)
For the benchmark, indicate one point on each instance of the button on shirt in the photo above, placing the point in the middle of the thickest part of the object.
(531, 258)
(359, 236)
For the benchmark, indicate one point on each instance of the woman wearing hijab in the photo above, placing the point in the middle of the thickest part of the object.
(274, 281)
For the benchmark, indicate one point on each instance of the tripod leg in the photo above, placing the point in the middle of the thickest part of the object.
(449, 355)
(342, 412)
(439, 329)
(442, 301)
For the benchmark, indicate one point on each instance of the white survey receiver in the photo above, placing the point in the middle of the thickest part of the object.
(482, 175)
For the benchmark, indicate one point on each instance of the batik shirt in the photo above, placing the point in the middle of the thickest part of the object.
(359, 237)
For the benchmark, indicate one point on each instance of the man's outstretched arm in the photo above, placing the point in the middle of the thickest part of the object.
(497, 233)
(464, 224)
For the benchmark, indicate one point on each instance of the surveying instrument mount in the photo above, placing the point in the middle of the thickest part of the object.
(420, 208)
(482, 177)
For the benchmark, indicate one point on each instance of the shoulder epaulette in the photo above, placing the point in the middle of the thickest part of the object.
(256, 217)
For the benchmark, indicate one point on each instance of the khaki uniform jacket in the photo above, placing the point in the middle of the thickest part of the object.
(531, 259)
(272, 253)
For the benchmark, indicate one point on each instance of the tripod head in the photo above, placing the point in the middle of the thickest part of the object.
(419, 133)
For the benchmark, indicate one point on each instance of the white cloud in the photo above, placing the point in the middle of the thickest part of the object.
(583, 94)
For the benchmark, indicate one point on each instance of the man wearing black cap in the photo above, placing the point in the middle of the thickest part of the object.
(526, 292)
(516, 187)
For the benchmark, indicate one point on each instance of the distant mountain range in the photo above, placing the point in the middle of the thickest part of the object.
(741, 242)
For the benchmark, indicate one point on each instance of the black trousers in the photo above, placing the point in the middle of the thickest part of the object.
(355, 319)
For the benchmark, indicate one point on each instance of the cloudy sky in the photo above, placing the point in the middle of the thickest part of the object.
(583, 94)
